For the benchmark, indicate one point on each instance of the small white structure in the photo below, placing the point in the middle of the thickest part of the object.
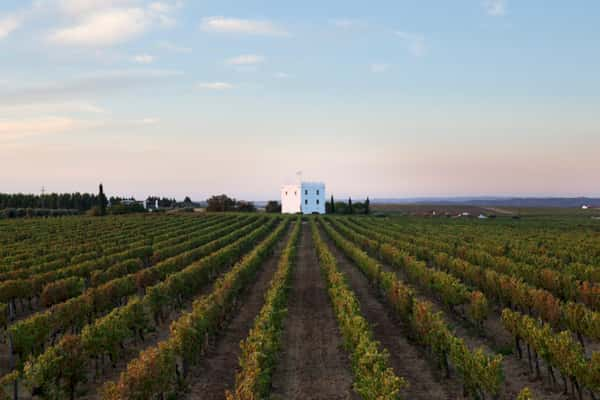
(151, 205)
(304, 197)
(585, 207)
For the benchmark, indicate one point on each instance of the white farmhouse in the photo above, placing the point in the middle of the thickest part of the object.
(304, 197)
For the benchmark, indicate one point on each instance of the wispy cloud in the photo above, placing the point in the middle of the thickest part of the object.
(173, 47)
(242, 26)
(143, 59)
(379, 67)
(347, 23)
(8, 24)
(164, 7)
(51, 108)
(106, 23)
(15, 129)
(415, 43)
(104, 81)
(246, 59)
(283, 75)
(79, 8)
(495, 8)
(215, 85)
(104, 28)
(149, 121)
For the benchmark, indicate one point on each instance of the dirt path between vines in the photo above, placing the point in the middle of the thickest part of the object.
(496, 337)
(216, 372)
(134, 347)
(406, 359)
(313, 363)
(516, 375)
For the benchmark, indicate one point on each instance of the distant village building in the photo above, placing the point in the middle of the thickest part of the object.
(151, 204)
(585, 207)
(304, 197)
(131, 202)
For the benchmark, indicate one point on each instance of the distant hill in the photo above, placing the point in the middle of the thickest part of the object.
(559, 202)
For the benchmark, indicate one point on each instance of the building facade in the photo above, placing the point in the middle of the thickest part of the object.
(305, 198)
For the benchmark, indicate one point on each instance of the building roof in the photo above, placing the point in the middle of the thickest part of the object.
(292, 185)
(313, 183)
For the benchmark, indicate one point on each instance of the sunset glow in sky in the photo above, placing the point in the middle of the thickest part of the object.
(381, 98)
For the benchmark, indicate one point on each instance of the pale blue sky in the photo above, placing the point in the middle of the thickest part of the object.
(381, 98)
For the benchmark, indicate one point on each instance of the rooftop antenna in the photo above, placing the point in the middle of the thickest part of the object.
(299, 176)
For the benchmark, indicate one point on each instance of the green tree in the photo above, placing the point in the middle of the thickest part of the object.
(245, 206)
(332, 205)
(350, 209)
(102, 200)
(358, 207)
(273, 206)
(367, 206)
(221, 203)
(341, 207)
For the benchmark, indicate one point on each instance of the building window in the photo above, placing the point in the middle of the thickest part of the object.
(306, 191)
(305, 201)
(295, 193)
(317, 201)
(286, 193)
(317, 192)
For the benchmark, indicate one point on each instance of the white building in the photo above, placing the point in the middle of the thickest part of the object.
(304, 197)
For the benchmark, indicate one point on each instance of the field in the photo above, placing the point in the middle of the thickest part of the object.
(254, 306)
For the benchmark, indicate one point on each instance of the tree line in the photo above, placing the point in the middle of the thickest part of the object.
(348, 207)
(222, 203)
(57, 204)
(52, 201)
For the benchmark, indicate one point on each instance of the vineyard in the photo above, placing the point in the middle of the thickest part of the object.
(244, 306)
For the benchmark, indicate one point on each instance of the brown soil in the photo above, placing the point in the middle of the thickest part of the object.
(516, 376)
(494, 337)
(216, 371)
(134, 347)
(313, 363)
(516, 372)
(406, 359)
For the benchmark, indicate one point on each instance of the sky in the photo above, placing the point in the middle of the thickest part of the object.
(381, 98)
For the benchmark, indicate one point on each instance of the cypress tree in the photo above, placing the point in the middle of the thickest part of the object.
(332, 208)
(367, 206)
(102, 200)
(350, 210)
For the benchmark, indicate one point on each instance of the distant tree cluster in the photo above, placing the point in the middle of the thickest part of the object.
(273, 206)
(52, 201)
(349, 207)
(224, 203)
(55, 204)
(163, 202)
